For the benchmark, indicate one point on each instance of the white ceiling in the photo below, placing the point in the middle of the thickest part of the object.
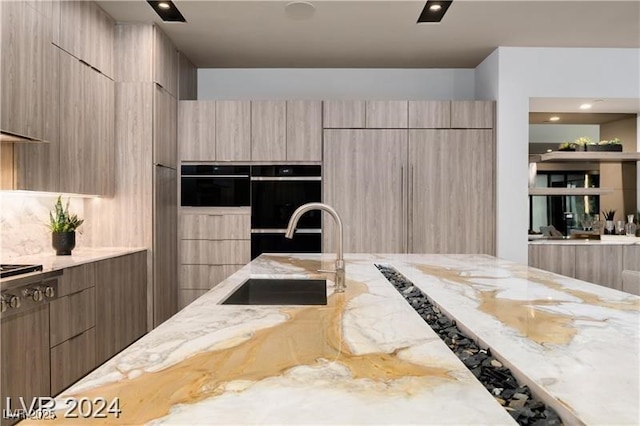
(382, 34)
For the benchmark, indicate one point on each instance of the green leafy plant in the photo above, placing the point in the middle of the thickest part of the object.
(614, 141)
(61, 220)
(583, 140)
(609, 214)
(567, 146)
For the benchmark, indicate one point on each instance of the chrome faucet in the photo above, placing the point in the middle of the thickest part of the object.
(293, 222)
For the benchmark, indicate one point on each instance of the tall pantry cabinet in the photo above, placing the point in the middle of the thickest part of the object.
(410, 176)
(144, 211)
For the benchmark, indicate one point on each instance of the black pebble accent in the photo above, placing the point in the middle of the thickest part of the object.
(497, 379)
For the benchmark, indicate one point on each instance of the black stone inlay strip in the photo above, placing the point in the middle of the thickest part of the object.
(496, 378)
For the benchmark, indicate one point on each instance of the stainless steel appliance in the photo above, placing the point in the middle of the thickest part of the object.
(20, 294)
(11, 270)
(276, 192)
(211, 185)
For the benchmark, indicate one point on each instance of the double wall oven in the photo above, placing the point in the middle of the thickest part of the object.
(273, 192)
(276, 191)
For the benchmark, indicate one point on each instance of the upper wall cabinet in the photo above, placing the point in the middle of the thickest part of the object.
(344, 114)
(86, 32)
(304, 130)
(268, 130)
(386, 114)
(197, 130)
(145, 54)
(165, 132)
(408, 114)
(25, 70)
(472, 114)
(233, 130)
(429, 114)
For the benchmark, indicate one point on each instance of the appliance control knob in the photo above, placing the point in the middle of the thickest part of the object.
(34, 293)
(49, 292)
(14, 302)
(3, 305)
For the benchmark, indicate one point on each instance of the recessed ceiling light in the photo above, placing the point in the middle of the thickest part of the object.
(434, 11)
(585, 106)
(167, 11)
(299, 10)
(554, 118)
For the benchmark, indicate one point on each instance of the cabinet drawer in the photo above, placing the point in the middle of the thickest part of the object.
(205, 276)
(71, 315)
(77, 278)
(216, 227)
(72, 359)
(215, 252)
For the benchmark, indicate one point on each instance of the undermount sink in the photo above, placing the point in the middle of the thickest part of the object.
(270, 291)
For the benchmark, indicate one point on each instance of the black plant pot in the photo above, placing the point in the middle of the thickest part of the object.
(63, 242)
(605, 148)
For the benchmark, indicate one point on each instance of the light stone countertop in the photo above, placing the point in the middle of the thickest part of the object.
(605, 240)
(367, 357)
(51, 262)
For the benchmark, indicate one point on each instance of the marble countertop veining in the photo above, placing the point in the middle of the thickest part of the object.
(364, 358)
(368, 358)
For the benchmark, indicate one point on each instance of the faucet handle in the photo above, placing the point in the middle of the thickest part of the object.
(326, 270)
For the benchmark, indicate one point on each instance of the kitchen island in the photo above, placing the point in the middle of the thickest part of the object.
(368, 358)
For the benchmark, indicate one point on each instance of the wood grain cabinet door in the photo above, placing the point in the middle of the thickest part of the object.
(233, 130)
(165, 135)
(429, 114)
(600, 265)
(165, 62)
(386, 114)
(363, 179)
(451, 191)
(304, 130)
(343, 114)
(268, 131)
(472, 114)
(197, 130)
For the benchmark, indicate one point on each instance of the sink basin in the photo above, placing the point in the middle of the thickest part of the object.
(269, 291)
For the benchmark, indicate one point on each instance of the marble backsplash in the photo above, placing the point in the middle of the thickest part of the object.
(24, 223)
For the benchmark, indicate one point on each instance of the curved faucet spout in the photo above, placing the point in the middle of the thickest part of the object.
(293, 222)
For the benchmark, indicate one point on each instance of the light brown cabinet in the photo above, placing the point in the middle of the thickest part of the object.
(165, 128)
(197, 130)
(304, 131)
(213, 246)
(401, 190)
(429, 114)
(343, 114)
(25, 367)
(25, 71)
(268, 130)
(165, 62)
(560, 259)
(451, 193)
(363, 179)
(600, 265)
(386, 114)
(233, 130)
(87, 146)
(121, 314)
(87, 33)
(72, 326)
(472, 114)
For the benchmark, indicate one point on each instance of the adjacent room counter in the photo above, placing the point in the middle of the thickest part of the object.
(368, 358)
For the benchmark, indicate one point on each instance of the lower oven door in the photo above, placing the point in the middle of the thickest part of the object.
(271, 241)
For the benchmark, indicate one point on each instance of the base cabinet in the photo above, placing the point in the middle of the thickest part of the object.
(121, 314)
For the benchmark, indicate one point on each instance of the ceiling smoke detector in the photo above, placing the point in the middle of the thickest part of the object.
(299, 10)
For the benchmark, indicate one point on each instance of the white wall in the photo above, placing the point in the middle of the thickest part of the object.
(333, 83)
(524, 73)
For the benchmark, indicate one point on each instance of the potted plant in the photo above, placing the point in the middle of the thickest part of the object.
(614, 145)
(582, 142)
(567, 146)
(609, 215)
(63, 228)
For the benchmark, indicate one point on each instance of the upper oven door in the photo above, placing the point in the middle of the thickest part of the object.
(276, 191)
(215, 186)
